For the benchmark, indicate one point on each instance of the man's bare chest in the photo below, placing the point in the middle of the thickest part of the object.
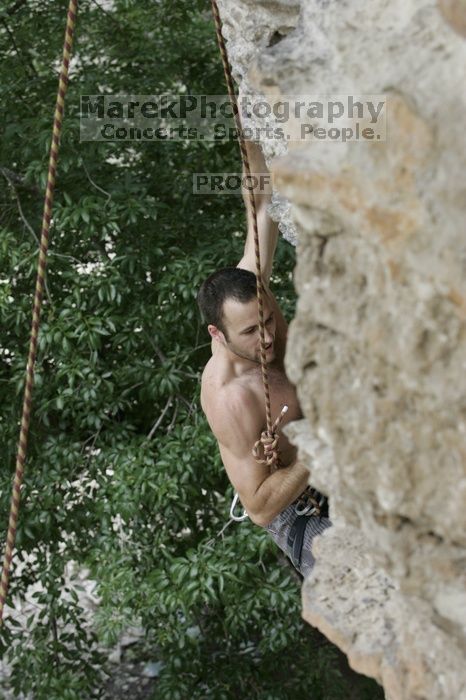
(282, 392)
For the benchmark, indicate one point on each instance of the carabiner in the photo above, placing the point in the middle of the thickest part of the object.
(237, 518)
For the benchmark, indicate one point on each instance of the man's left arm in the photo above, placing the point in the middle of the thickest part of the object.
(268, 236)
(267, 228)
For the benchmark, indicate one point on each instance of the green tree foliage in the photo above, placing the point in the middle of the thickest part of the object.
(123, 475)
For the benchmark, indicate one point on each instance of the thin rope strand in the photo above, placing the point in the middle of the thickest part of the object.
(245, 158)
(39, 290)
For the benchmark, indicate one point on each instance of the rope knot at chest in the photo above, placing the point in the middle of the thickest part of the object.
(268, 441)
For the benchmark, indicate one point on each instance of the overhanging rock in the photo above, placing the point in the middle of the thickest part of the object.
(378, 345)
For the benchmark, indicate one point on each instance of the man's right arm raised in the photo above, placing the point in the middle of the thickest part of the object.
(262, 494)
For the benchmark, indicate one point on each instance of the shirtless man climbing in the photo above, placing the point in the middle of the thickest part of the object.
(232, 394)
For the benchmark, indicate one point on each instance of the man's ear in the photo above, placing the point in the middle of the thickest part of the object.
(215, 333)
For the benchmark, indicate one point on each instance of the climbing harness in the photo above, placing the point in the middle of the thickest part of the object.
(40, 284)
(312, 501)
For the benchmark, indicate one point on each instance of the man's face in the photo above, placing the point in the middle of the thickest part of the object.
(241, 321)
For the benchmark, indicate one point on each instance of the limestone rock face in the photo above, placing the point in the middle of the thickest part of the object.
(377, 349)
(454, 12)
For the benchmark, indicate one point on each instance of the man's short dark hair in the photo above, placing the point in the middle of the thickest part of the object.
(227, 283)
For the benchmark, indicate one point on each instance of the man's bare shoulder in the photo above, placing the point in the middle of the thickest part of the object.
(233, 412)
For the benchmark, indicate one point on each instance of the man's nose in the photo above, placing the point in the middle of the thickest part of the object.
(268, 337)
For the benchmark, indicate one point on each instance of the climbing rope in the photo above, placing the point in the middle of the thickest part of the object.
(40, 283)
(269, 438)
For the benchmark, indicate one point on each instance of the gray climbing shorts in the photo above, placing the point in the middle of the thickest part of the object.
(294, 535)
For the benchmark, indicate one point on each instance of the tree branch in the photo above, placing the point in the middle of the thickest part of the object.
(94, 184)
(18, 179)
(105, 12)
(27, 225)
(159, 419)
(15, 7)
(19, 53)
(172, 422)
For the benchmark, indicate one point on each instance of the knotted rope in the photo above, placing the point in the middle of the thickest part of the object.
(40, 283)
(269, 443)
(269, 437)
